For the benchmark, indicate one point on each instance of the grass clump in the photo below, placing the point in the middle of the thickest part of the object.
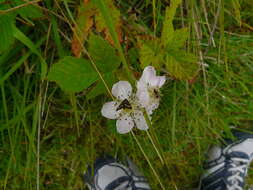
(48, 136)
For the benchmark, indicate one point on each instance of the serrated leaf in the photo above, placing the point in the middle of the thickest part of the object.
(7, 23)
(108, 22)
(179, 38)
(29, 11)
(99, 87)
(84, 23)
(73, 74)
(103, 54)
(181, 65)
(151, 54)
(168, 29)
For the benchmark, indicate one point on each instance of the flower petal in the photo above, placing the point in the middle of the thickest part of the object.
(147, 74)
(150, 108)
(122, 90)
(141, 85)
(157, 81)
(162, 81)
(143, 96)
(124, 124)
(140, 121)
(150, 79)
(109, 110)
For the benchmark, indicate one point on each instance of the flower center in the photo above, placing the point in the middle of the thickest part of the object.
(154, 93)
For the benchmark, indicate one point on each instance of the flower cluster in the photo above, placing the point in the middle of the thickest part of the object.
(128, 107)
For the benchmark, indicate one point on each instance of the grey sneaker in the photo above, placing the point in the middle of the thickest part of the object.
(110, 174)
(228, 165)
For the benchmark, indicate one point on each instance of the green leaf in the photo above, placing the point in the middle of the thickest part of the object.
(181, 65)
(107, 15)
(168, 29)
(29, 11)
(151, 54)
(7, 22)
(73, 74)
(103, 54)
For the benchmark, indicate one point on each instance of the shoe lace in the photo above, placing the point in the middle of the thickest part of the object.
(238, 166)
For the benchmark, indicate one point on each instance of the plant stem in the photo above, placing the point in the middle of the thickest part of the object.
(149, 163)
(150, 137)
(156, 149)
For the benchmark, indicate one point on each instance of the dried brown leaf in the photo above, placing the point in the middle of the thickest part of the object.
(84, 24)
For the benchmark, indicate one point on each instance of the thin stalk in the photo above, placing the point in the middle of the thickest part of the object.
(56, 36)
(201, 56)
(149, 163)
(174, 113)
(182, 14)
(38, 141)
(156, 149)
(18, 7)
(73, 102)
(9, 135)
(203, 4)
(154, 15)
(150, 137)
(216, 18)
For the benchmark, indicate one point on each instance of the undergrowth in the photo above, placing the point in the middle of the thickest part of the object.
(50, 132)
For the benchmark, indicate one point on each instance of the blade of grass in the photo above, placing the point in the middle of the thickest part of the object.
(149, 163)
(19, 63)
(150, 137)
(19, 35)
(154, 14)
(38, 138)
(19, 7)
(57, 38)
(13, 121)
(73, 103)
(174, 114)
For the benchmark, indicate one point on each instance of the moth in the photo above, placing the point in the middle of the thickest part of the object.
(125, 104)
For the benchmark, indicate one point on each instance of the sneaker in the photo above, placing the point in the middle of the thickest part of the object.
(110, 174)
(228, 165)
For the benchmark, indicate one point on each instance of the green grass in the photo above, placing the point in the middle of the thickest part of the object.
(48, 136)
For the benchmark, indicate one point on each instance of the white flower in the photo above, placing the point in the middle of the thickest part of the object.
(148, 87)
(125, 109)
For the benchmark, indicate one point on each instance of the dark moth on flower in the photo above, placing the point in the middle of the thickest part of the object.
(125, 104)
